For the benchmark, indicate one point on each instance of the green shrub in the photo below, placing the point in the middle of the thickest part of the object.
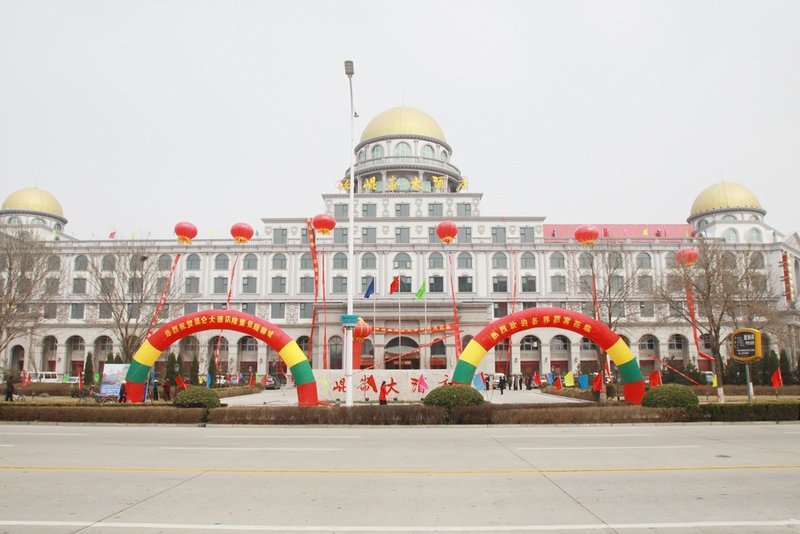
(760, 411)
(451, 395)
(670, 396)
(197, 397)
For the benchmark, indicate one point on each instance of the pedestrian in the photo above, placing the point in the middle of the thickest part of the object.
(122, 396)
(502, 384)
(10, 388)
(155, 390)
(382, 393)
(167, 390)
(486, 382)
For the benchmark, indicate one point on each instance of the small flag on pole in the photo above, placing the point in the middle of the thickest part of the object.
(655, 379)
(180, 383)
(421, 291)
(777, 379)
(370, 289)
(112, 235)
(395, 285)
(583, 381)
(477, 383)
(569, 379)
(558, 384)
(597, 383)
(550, 377)
(714, 382)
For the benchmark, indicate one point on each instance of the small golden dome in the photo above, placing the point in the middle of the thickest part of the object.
(725, 196)
(33, 199)
(403, 121)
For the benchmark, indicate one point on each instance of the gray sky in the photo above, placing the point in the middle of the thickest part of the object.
(139, 114)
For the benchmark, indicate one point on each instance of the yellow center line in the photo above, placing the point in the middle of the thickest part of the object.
(414, 472)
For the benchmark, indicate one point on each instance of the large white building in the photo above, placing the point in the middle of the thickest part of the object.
(405, 185)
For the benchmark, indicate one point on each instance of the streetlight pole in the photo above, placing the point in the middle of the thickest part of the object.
(349, 320)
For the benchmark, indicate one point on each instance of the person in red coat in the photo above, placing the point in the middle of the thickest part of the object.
(382, 393)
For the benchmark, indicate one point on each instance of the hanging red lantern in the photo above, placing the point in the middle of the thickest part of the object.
(362, 330)
(687, 256)
(447, 231)
(587, 234)
(242, 232)
(324, 223)
(185, 231)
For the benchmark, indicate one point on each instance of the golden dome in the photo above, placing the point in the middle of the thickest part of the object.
(403, 121)
(33, 199)
(725, 196)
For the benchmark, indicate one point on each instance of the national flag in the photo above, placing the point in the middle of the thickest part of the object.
(180, 383)
(549, 377)
(569, 380)
(583, 381)
(395, 285)
(252, 380)
(655, 378)
(370, 289)
(422, 290)
(112, 235)
(777, 379)
(558, 384)
(537, 380)
(597, 383)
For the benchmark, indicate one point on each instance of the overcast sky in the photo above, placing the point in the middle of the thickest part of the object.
(139, 114)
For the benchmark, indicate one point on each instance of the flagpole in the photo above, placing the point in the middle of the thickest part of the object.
(400, 329)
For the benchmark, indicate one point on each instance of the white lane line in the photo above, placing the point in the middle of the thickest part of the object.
(384, 528)
(577, 436)
(39, 434)
(282, 437)
(250, 449)
(5, 445)
(612, 447)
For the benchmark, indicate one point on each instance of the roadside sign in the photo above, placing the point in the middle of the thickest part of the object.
(747, 345)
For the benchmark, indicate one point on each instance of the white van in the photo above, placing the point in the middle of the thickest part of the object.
(45, 376)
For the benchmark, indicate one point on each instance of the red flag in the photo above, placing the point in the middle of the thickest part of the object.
(597, 383)
(777, 379)
(558, 384)
(264, 380)
(537, 380)
(655, 379)
(252, 380)
(112, 235)
(395, 285)
(180, 383)
(371, 383)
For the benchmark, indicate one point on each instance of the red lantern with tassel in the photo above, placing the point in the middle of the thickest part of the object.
(185, 231)
(324, 223)
(587, 234)
(447, 231)
(687, 256)
(361, 331)
(242, 232)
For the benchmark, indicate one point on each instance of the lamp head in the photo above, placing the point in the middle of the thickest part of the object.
(348, 68)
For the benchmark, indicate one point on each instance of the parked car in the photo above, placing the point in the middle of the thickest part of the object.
(45, 376)
(709, 377)
(271, 383)
(496, 380)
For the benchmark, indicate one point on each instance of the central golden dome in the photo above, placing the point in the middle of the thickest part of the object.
(33, 199)
(725, 196)
(403, 121)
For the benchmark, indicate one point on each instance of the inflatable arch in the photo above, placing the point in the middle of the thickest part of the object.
(277, 339)
(598, 332)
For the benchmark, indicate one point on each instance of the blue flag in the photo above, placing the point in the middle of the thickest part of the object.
(583, 381)
(550, 377)
(370, 289)
(477, 382)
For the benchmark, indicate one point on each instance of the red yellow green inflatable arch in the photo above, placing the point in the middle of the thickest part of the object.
(277, 339)
(598, 332)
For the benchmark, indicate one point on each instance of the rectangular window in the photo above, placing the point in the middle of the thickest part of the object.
(369, 210)
(340, 211)
(307, 284)
(190, 307)
(369, 236)
(618, 309)
(647, 309)
(436, 284)
(402, 209)
(51, 286)
(464, 234)
(278, 284)
(528, 284)
(616, 283)
(340, 236)
(279, 236)
(76, 310)
(528, 305)
(249, 284)
(435, 209)
(107, 286)
(465, 284)
(405, 284)
(498, 235)
(464, 209)
(249, 307)
(587, 308)
(500, 284)
(646, 284)
(277, 310)
(79, 286)
(161, 284)
(133, 310)
(135, 286)
(365, 281)
(50, 310)
(221, 284)
(402, 235)
(306, 310)
(526, 234)
(500, 309)
(192, 285)
(432, 237)
(340, 284)
(219, 306)
(558, 284)
(304, 236)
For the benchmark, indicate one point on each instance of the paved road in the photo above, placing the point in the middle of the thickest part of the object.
(630, 478)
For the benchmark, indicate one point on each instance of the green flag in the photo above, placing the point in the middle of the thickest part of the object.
(421, 291)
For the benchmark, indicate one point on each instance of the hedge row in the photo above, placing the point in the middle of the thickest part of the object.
(413, 414)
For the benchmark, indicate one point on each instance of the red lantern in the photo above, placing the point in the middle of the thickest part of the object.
(242, 232)
(185, 231)
(362, 330)
(587, 234)
(447, 231)
(324, 223)
(687, 256)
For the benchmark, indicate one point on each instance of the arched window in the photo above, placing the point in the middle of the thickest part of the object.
(108, 263)
(614, 260)
(402, 149)
(499, 261)
(728, 260)
(435, 261)
(648, 344)
(248, 344)
(221, 262)
(164, 262)
(361, 155)
(53, 263)
(644, 261)
(530, 343)
(306, 261)
(368, 261)
(427, 152)
(81, 263)
(136, 262)
(465, 260)
(729, 218)
(302, 342)
(438, 349)
(377, 152)
(250, 262)
(559, 345)
(402, 261)
(756, 260)
(670, 260)
(14, 220)
(38, 221)
(367, 348)
(556, 260)
(279, 261)
(103, 347)
(193, 262)
(731, 235)
(335, 350)
(339, 261)
(528, 261)
(677, 342)
(585, 260)
(754, 236)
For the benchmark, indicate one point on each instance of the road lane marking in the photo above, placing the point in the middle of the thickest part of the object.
(608, 448)
(282, 437)
(58, 434)
(301, 449)
(397, 528)
(576, 436)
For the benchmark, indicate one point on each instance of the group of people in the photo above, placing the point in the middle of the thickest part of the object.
(167, 389)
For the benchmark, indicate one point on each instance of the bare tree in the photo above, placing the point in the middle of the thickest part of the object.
(129, 283)
(730, 287)
(29, 280)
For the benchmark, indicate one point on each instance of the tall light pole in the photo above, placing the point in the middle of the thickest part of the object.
(349, 320)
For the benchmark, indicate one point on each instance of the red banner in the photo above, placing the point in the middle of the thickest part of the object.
(439, 328)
